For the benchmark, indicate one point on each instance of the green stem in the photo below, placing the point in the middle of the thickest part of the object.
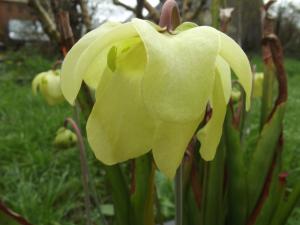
(214, 8)
(142, 198)
(179, 195)
(262, 156)
(84, 169)
(120, 194)
(286, 207)
(213, 203)
(268, 92)
(270, 202)
(237, 211)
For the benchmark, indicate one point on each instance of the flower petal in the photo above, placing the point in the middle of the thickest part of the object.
(225, 75)
(179, 73)
(170, 143)
(210, 135)
(239, 63)
(88, 56)
(119, 126)
(185, 26)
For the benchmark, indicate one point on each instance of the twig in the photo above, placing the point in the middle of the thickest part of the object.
(154, 14)
(116, 2)
(13, 215)
(186, 6)
(47, 22)
(139, 8)
(195, 14)
(85, 14)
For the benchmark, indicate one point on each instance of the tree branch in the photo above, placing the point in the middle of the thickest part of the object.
(186, 6)
(46, 21)
(153, 13)
(85, 15)
(195, 14)
(116, 2)
(139, 8)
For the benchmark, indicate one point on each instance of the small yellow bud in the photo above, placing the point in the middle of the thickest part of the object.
(65, 138)
(48, 84)
(258, 84)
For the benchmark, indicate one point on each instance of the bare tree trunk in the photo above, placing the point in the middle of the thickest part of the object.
(46, 20)
(85, 14)
(139, 8)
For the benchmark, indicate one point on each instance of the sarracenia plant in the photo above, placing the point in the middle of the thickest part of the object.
(165, 90)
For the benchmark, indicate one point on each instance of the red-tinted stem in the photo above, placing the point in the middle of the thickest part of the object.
(170, 16)
(13, 215)
(84, 167)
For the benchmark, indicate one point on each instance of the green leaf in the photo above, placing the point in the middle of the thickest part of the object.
(237, 186)
(263, 155)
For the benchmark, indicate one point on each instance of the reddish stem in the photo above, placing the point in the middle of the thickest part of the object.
(170, 16)
(84, 167)
(13, 215)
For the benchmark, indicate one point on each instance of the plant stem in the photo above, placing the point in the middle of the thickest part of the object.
(286, 206)
(84, 168)
(120, 194)
(179, 195)
(170, 16)
(142, 198)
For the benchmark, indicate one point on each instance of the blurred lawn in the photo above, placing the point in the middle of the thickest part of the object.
(37, 180)
(43, 183)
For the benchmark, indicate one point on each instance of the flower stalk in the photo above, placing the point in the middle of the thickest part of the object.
(84, 168)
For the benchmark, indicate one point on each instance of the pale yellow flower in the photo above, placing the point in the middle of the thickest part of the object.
(152, 88)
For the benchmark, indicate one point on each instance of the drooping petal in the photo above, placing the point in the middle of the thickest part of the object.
(239, 63)
(88, 56)
(179, 73)
(95, 70)
(225, 75)
(119, 126)
(210, 135)
(170, 143)
(185, 26)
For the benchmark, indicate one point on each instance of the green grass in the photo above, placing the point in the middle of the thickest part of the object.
(43, 183)
(40, 182)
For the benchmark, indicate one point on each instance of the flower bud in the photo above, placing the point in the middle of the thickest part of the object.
(65, 138)
(258, 84)
(48, 84)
